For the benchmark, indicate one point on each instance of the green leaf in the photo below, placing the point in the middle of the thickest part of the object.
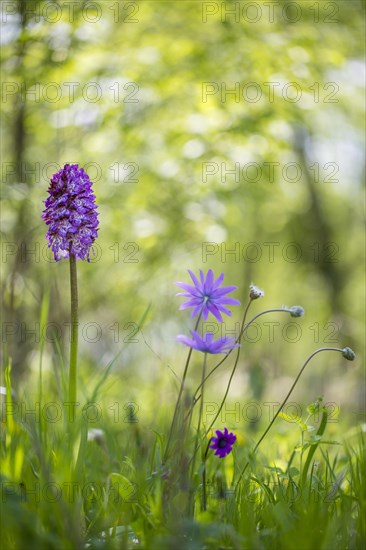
(294, 419)
(9, 400)
(303, 446)
(124, 486)
(275, 469)
(327, 442)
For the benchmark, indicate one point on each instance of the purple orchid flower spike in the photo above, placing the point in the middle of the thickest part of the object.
(71, 213)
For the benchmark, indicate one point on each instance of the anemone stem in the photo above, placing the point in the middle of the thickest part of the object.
(282, 405)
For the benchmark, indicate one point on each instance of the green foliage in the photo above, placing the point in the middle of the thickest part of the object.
(148, 143)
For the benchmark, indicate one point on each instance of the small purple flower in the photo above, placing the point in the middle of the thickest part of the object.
(207, 344)
(223, 443)
(71, 213)
(207, 296)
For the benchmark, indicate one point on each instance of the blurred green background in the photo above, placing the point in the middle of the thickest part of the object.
(238, 124)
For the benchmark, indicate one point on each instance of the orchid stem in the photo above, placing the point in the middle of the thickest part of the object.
(74, 331)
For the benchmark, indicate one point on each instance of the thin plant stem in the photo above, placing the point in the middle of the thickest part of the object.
(74, 331)
(200, 414)
(234, 367)
(282, 405)
(179, 396)
(196, 445)
(302, 440)
(275, 310)
(204, 494)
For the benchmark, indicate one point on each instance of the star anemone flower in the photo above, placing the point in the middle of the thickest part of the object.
(223, 443)
(207, 344)
(206, 295)
(71, 213)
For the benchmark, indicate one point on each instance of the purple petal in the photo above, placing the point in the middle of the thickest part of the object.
(205, 312)
(216, 347)
(224, 310)
(185, 306)
(189, 288)
(193, 302)
(194, 279)
(215, 312)
(218, 281)
(208, 338)
(184, 340)
(209, 282)
(195, 311)
(230, 301)
(225, 290)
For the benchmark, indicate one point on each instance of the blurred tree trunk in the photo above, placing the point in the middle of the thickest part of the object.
(21, 232)
(320, 228)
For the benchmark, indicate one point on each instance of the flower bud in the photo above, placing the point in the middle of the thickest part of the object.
(255, 292)
(296, 311)
(348, 354)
